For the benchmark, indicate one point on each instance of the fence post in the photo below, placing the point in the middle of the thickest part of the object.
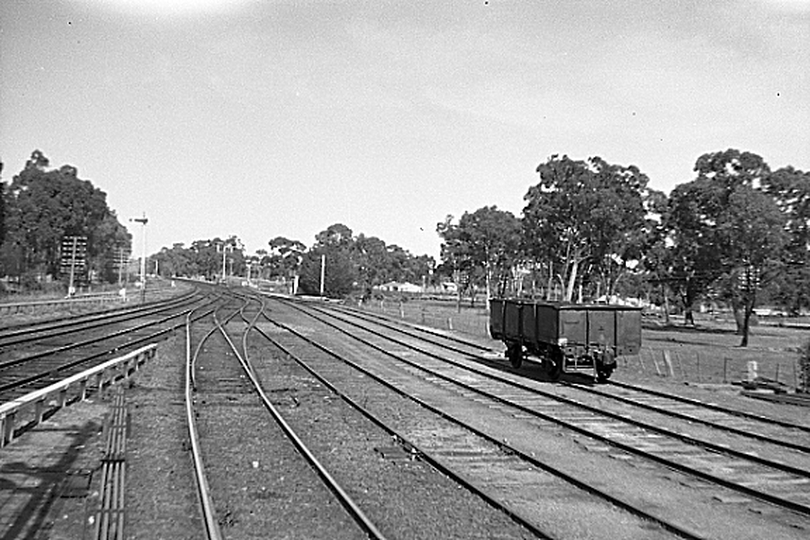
(697, 354)
(655, 363)
(680, 365)
(668, 362)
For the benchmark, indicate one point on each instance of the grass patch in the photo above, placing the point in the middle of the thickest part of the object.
(706, 354)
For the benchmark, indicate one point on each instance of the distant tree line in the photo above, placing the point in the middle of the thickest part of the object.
(590, 229)
(738, 233)
(354, 264)
(39, 209)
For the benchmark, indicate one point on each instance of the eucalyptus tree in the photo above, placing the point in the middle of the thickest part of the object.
(586, 215)
(45, 204)
(751, 230)
(331, 252)
(284, 257)
(724, 229)
(486, 239)
(790, 188)
(2, 208)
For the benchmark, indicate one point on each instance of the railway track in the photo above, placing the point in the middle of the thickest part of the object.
(39, 354)
(308, 420)
(259, 445)
(739, 476)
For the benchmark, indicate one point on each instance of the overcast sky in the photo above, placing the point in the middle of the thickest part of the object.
(261, 118)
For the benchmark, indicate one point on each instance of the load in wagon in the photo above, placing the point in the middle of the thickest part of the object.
(566, 338)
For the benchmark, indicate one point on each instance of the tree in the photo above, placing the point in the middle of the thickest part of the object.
(108, 240)
(689, 265)
(697, 223)
(585, 213)
(43, 206)
(487, 239)
(790, 188)
(334, 246)
(2, 207)
(751, 228)
(285, 256)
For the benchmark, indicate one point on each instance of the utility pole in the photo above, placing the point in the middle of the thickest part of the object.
(323, 272)
(225, 248)
(71, 289)
(120, 265)
(143, 221)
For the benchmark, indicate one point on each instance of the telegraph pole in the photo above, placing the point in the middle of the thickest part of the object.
(323, 273)
(143, 221)
(71, 289)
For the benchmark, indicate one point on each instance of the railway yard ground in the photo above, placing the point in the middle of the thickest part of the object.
(407, 481)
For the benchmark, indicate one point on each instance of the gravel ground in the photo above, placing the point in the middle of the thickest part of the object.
(413, 500)
(258, 481)
(667, 494)
(406, 497)
(161, 491)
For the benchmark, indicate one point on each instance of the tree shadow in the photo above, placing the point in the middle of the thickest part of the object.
(680, 329)
(41, 486)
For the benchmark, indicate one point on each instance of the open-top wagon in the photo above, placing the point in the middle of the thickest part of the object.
(566, 337)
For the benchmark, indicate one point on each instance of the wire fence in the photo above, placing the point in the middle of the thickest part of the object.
(679, 364)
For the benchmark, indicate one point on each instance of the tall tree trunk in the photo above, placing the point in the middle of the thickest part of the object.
(489, 283)
(746, 323)
(750, 301)
(572, 280)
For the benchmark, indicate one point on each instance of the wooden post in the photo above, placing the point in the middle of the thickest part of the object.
(655, 363)
(725, 369)
(680, 365)
(795, 376)
(7, 432)
(668, 362)
(697, 354)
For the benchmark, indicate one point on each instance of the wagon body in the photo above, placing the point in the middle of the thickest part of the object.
(573, 336)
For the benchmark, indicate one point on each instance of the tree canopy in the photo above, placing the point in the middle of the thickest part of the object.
(586, 216)
(43, 205)
(487, 240)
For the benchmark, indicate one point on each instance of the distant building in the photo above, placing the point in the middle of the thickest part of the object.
(395, 286)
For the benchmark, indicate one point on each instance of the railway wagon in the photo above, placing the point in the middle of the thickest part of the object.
(566, 337)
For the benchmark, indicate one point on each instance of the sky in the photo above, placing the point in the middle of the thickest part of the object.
(265, 118)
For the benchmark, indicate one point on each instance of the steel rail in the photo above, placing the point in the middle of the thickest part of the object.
(619, 503)
(343, 497)
(712, 406)
(68, 365)
(791, 505)
(95, 320)
(398, 324)
(674, 414)
(212, 529)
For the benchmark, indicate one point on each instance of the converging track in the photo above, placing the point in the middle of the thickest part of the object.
(726, 467)
(314, 420)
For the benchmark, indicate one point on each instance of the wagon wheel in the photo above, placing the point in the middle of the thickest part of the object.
(555, 364)
(605, 364)
(603, 373)
(515, 354)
